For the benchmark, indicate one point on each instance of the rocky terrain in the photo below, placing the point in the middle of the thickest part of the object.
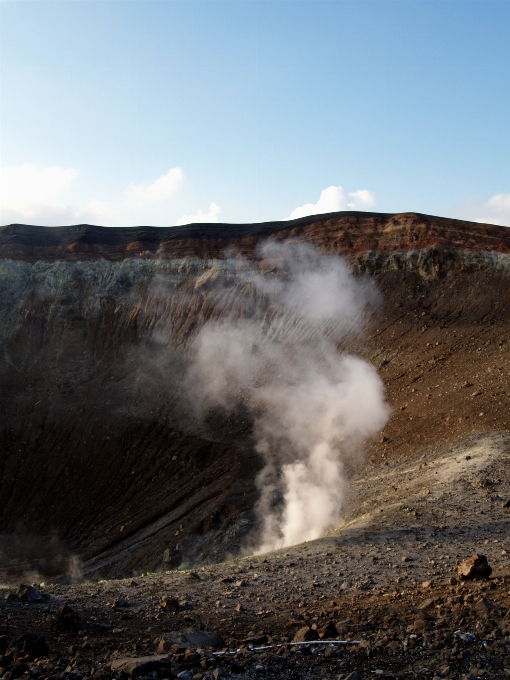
(105, 473)
(385, 585)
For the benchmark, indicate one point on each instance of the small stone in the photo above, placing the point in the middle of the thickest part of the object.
(419, 625)
(474, 567)
(136, 667)
(305, 634)
(29, 594)
(121, 602)
(192, 638)
(185, 675)
(66, 619)
(484, 608)
(425, 604)
(169, 604)
(427, 584)
(328, 631)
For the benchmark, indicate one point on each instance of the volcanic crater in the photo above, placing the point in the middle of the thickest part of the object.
(106, 473)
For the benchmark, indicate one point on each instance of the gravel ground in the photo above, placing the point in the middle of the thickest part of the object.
(384, 581)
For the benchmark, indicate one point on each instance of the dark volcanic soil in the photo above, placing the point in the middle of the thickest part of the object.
(385, 584)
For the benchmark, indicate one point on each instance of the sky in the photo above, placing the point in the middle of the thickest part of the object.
(165, 112)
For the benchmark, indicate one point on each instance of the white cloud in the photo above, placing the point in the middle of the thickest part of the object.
(334, 199)
(27, 192)
(211, 216)
(361, 199)
(160, 190)
(496, 210)
(41, 196)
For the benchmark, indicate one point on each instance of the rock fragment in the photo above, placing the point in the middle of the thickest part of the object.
(474, 567)
(192, 638)
(169, 604)
(305, 634)
(67, 620)
(136, 667)
(328, 631)
(29, 594)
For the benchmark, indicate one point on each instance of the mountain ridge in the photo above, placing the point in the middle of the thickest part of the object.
(349, 231)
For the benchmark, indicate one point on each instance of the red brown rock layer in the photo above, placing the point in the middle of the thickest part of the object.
(346, 232)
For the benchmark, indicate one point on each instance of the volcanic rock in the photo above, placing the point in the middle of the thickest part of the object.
(136, 667)
(328, 631)
(485, 608)
(169, 604)
(475, 567)
(29, 594)
(67, 620)
(305, 634)
(192, 638)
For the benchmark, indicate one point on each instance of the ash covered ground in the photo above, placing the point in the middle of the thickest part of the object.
(386, 583)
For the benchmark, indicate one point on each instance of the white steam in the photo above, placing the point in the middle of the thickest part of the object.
(275, 351)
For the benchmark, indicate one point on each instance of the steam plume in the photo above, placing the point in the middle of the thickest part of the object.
(275, 350)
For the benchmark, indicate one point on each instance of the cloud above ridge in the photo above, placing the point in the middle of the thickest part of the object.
(210, 216)
(27, 192)
(496, 210)
(30, 194)
(334, 199)
(160, 190)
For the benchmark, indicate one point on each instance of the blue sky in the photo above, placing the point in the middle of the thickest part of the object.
(124, 112)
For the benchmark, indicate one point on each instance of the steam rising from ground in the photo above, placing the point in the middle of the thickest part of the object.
(313, 405)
